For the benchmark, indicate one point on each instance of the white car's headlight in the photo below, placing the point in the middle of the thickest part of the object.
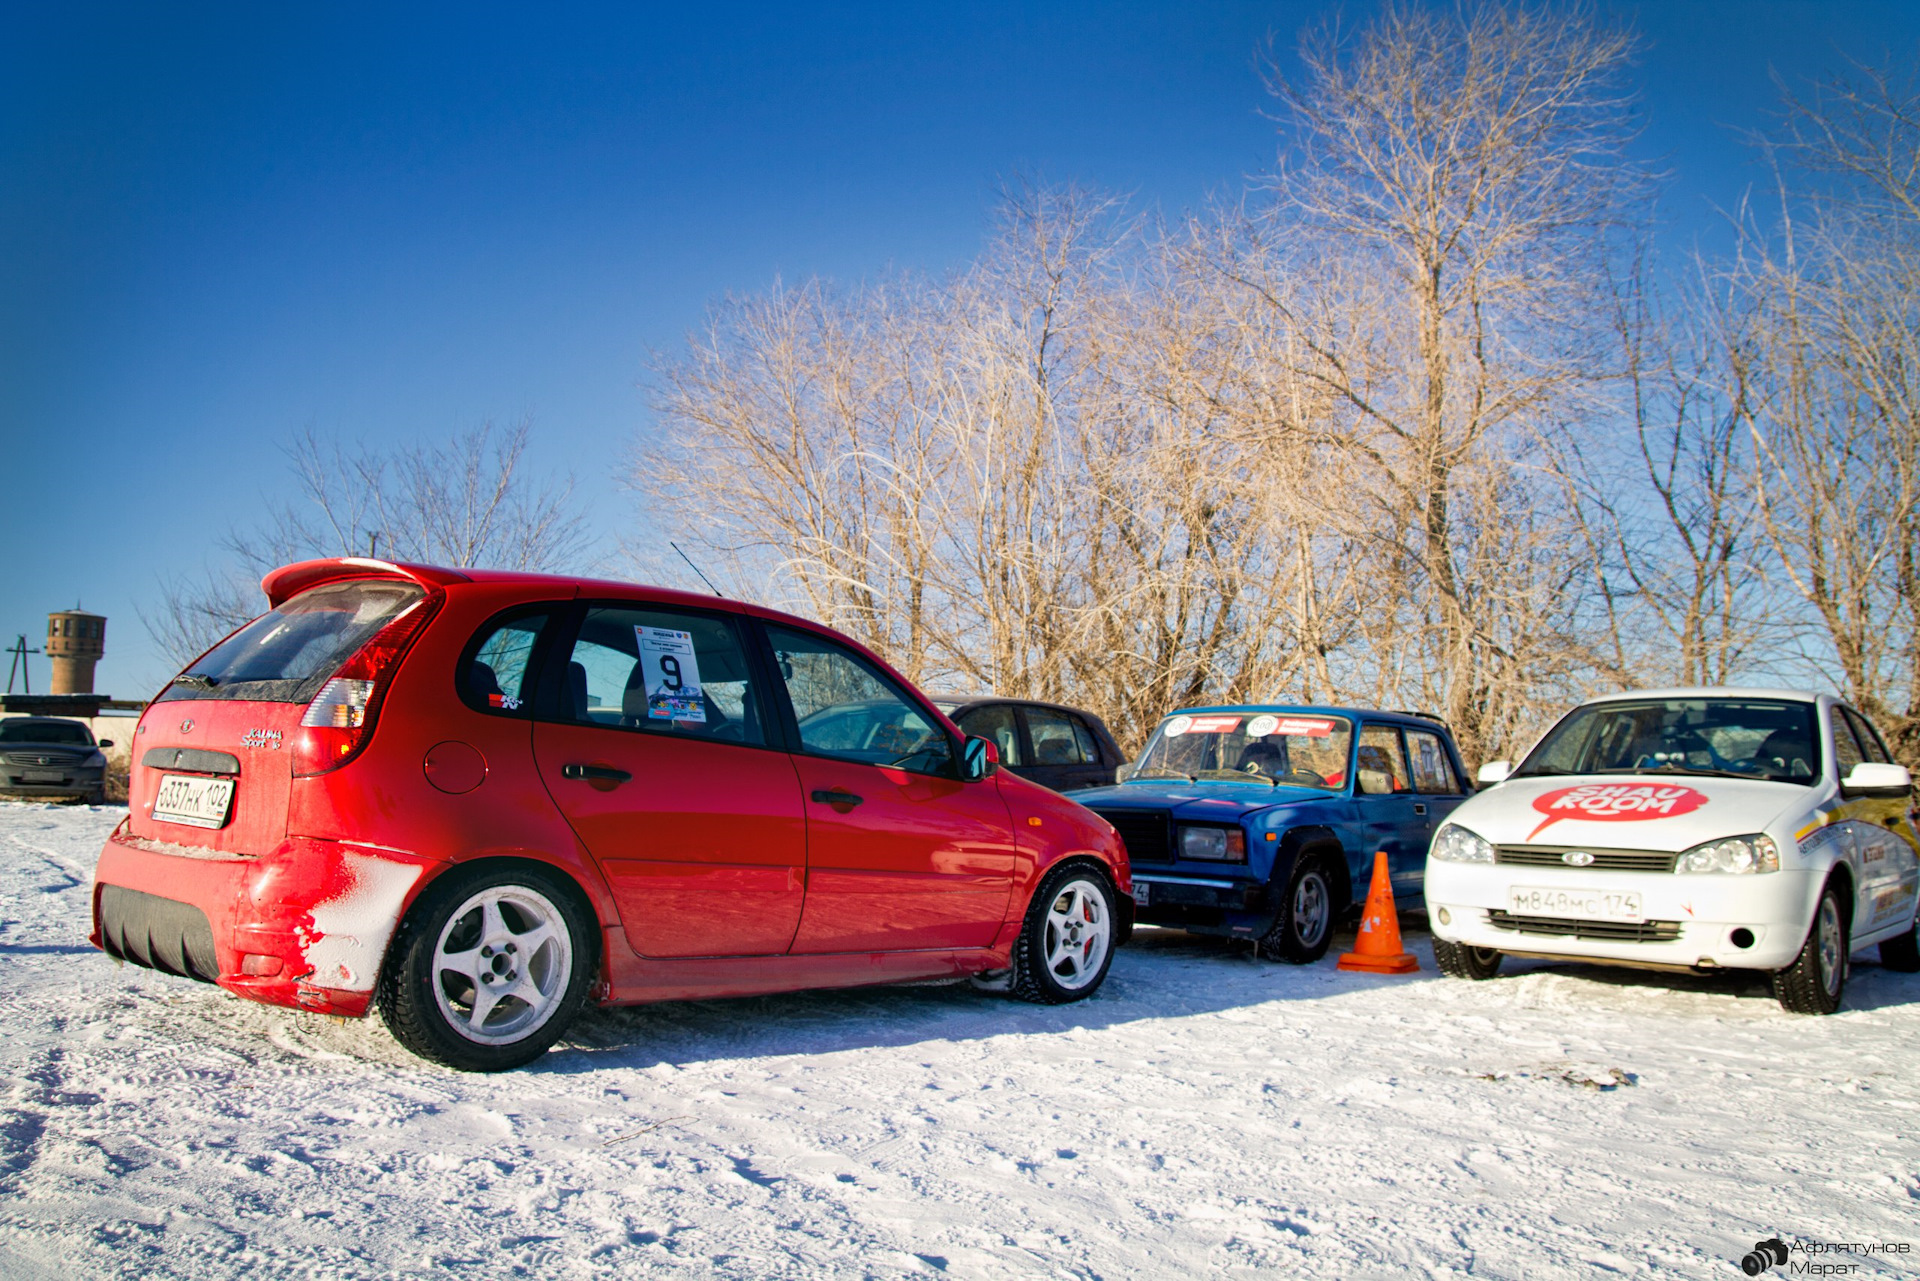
(1457, 845)
(1737, 854)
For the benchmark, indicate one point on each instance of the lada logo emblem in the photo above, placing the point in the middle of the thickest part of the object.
(43, 760)
(1577, 858)
(186, 726)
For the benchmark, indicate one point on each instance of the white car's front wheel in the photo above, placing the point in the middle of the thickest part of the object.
(1813, 983)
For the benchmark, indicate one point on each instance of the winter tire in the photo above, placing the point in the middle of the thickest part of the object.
(1067, 940)
(489, 968)
(1902, 953)
(1304, 927)
(1813, 983)
(1463, 962)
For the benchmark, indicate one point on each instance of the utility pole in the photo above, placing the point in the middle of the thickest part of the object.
(20, 651)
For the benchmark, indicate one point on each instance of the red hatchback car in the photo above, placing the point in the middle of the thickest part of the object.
(479, 800)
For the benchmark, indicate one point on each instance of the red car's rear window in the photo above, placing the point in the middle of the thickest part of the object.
(286, 656)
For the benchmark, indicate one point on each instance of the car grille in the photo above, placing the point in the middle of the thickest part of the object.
(1608, 931)
(158, 933)
(46, 759)
(1147, 833)
(1603, 860)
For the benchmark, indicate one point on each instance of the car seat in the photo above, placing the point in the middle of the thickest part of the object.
(1786, 749)
(1055, 751)
(577, 691)
(1262, 757)
(1375, 770)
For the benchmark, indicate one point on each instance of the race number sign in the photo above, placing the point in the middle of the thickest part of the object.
(672, 675)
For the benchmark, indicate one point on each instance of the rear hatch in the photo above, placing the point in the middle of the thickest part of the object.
(215, 755)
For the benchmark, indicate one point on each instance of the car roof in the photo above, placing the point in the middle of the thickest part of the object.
(44, 720)
(1713, 691)
(1411, 719)
(288, 581)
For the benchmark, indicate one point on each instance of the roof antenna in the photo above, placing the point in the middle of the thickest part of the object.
(695, 568)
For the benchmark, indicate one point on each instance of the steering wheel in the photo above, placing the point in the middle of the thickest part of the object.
(1307, 774)
(731, 732)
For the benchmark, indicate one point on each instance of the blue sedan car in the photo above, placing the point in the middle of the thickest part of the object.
(1262, 821)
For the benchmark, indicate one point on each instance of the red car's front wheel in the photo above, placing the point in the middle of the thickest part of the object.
(1066, 943)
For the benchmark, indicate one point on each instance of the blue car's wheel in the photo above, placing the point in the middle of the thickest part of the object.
(1304, 926)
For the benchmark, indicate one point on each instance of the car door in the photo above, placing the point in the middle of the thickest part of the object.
(1393, 814)
(656, 749)
(1435, 781)
(901, 854)
(1065, 753)
(1887, 873)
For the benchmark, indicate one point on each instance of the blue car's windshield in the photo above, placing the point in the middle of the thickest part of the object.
(1295, 749)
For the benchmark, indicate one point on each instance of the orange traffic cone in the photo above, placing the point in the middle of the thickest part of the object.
(1378, 951)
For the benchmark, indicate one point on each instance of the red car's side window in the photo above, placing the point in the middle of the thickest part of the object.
(662, 671)
(847, 709)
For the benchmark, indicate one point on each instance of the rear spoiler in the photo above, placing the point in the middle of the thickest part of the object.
(289, 581)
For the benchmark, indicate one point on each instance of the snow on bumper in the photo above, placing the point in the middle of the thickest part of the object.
(1691, 919)
(305, 926)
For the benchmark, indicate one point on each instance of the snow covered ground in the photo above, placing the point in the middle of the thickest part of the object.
(1206, 1114)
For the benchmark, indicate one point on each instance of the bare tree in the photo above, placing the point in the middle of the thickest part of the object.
(463, 501)
(1829, 379)
(1444, 214)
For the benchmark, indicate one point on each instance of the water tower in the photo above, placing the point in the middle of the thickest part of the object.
(75, 642)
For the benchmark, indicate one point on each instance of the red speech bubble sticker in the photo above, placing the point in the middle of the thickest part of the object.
(1615, 803)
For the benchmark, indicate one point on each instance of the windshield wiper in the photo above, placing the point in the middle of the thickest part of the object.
(195, 680)
(1161, 773)
(1668, 767)
(1236, 775)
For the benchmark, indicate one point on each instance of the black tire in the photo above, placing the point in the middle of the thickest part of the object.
(430, 1022)
(1463, 962)
(1084, 892)
(1901, 954)
(1303, 929)
(1814, 982)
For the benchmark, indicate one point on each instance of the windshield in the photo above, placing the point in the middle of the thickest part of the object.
(53, 732)
(1270, 747)
(1745, 738)
(286, 655)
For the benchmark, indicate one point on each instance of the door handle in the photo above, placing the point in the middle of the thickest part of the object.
(607, 772)
(837, 797)
(1419, 809)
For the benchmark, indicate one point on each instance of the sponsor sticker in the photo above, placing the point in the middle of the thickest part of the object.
(1178, 726)
(672, 674)
(1615, 803)
(1213, 724)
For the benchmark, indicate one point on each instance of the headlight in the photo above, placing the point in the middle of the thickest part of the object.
(1458, 845)
(1218, 844)
(1735, 854)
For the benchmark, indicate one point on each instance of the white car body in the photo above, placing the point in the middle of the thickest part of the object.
(1609, 910)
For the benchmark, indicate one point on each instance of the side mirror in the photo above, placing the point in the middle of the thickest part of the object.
(978, 759)
(105, 742)
(1495, 772)
(1872, 778)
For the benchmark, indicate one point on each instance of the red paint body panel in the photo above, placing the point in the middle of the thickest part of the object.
(705, 848)
(927, 878)
(920, 863)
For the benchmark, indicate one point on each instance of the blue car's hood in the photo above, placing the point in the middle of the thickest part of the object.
(1213, 800)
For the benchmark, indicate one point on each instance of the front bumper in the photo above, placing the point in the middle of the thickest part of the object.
(306, 926)
(1690, 921)
(73, 781)
(1203, 904)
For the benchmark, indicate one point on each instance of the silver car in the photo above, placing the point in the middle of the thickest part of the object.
(52, 757)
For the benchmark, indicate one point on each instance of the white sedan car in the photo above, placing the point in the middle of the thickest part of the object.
(1688, 829)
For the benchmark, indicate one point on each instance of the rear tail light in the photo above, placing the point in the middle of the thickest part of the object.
(340, 719)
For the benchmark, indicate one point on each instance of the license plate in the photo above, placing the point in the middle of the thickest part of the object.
(197, 802)
(1586, 905)
(1140, 889)
(42, 776)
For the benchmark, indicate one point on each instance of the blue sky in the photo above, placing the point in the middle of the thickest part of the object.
(222, 225)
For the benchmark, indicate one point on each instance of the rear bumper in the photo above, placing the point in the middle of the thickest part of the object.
(306, 926)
